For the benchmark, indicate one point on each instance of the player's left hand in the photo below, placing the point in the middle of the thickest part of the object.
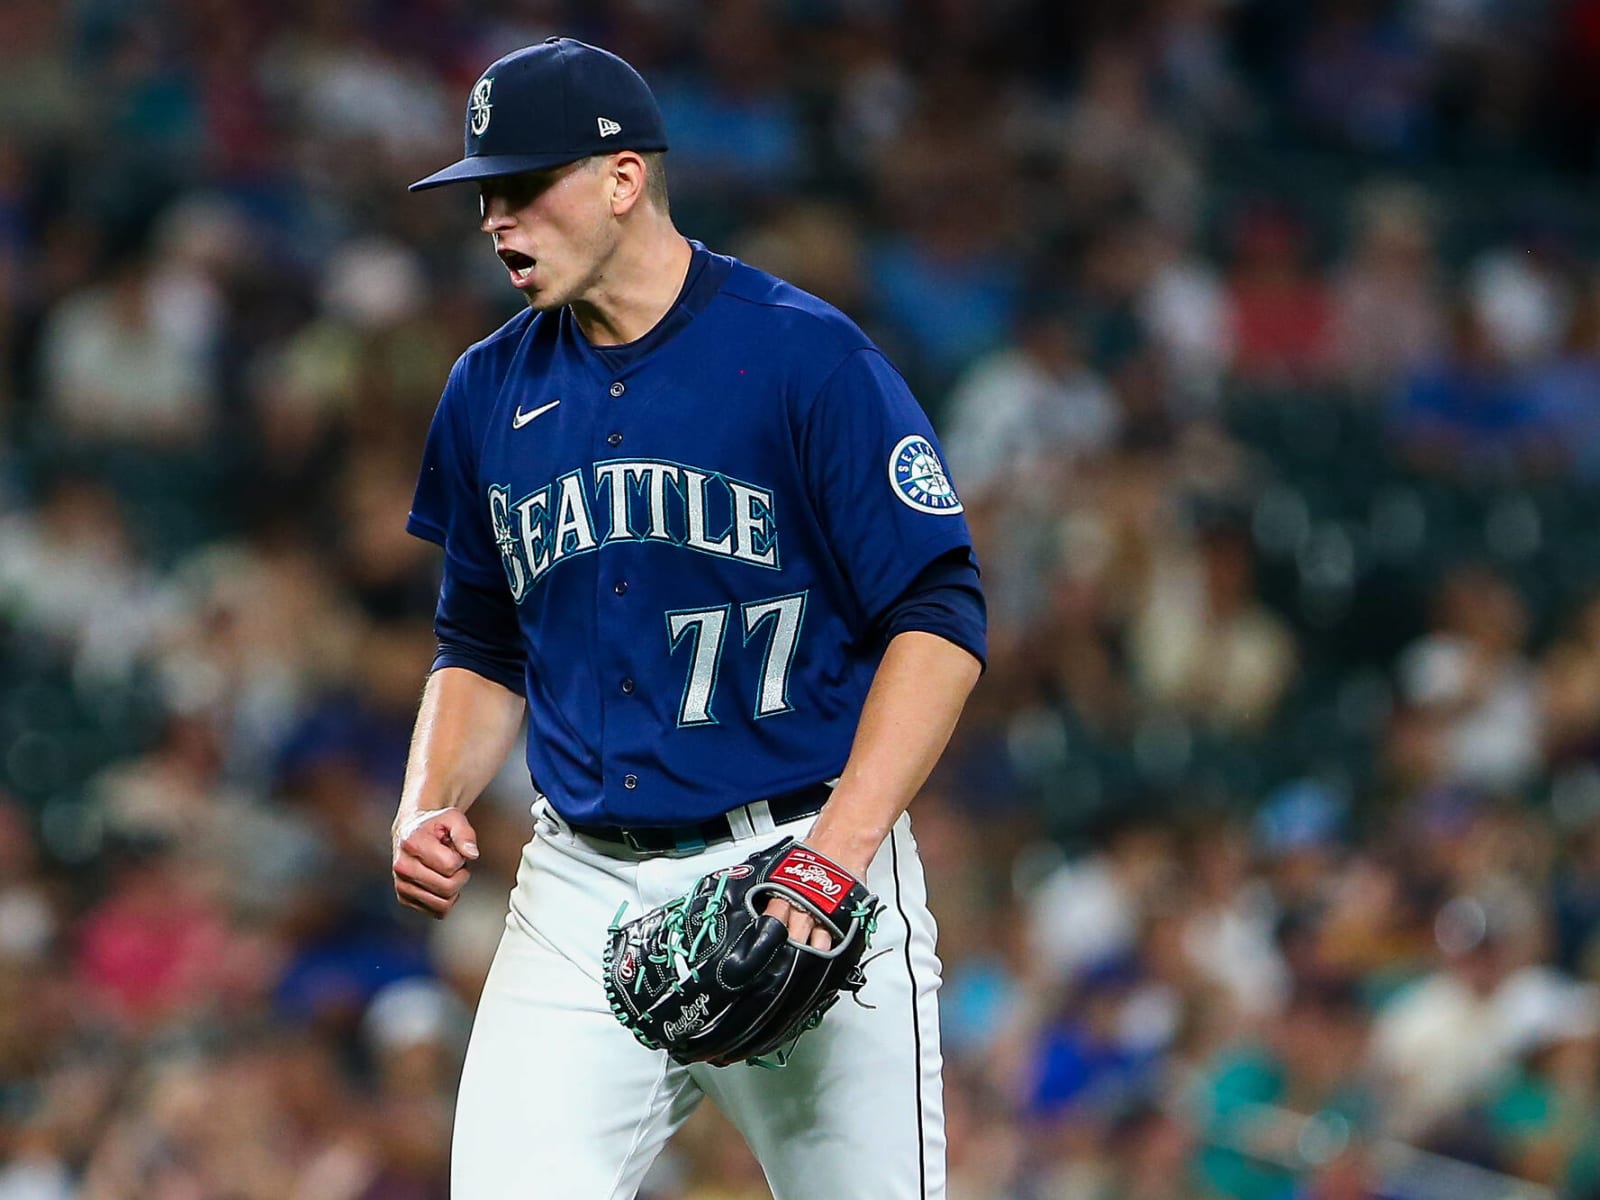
(708, 978)
(803, 928)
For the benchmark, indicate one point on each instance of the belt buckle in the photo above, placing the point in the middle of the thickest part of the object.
(633, 843)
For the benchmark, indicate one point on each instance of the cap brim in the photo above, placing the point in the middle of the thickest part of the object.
(489, 166)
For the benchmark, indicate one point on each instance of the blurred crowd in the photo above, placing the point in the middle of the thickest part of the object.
(1264, 341)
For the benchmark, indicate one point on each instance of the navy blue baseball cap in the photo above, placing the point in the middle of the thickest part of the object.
(550, 104)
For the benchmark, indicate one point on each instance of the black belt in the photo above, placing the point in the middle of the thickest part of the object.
(660, 839)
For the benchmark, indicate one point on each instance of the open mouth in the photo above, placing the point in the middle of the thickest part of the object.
(520, 265)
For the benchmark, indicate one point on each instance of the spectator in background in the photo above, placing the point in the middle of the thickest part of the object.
(1472, 714)
(1193, 69)
(41, 100)
(71, 573)
(1184, 308)
(1281, 314)
(1230, 916)
(174, 793)
(1569, 692)
(1564, 386)
(1545, 1113)
(35, 1008)
(152, 953)
(415, 1033)
(1298, 832)
(1489, 65)
(1152, 1150)
(1074, 643)
(266, 627)
(119, 370)
(389, 578)
(1361, 79)
(875, 96)
(1202, 644)
(1113, 268)
(1081, 1064)
(985, 1150)
(29, 920)
(815, 244)
(1374, 925)
(1308, 1064)
(376, 341)
(735, 123)
(354, 90)
(1388, 306)
(1520, 294)
(1471, 411)
(350, 748)
(296, 437)
(1021, 416)
(1114, 147)
(1442, 1045)
(947, 273)
(1090, 910)
(951, 288)
(1576, 906)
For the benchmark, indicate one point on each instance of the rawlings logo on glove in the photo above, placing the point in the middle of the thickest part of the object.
(709, 978)
(694, 1016)
(814, 875)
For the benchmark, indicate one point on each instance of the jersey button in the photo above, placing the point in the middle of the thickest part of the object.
(620, 587)
(630, 782)
(627, 687)
(614, 439)
(618, 388)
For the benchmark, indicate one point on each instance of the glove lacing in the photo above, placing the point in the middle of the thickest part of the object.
(670, 936)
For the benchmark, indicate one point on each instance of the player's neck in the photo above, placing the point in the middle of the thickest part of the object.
(639, 286)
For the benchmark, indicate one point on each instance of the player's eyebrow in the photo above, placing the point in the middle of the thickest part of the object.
(517, 190)
(524, 186)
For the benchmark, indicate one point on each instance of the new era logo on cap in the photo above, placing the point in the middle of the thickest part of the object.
(608, 127)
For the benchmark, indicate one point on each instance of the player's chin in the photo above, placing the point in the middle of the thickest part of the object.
(543, 301)
(540, 296)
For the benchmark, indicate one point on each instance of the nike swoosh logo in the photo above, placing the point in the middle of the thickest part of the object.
(522, 418)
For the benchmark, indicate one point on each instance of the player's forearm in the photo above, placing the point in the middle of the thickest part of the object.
(911, 711)
(465, 727)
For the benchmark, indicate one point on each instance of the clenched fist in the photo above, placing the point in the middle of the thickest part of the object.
(431, 851)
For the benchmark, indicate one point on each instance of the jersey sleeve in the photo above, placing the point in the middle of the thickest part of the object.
(945, 600)
(883, 493)
(446, 508)
(478, 629)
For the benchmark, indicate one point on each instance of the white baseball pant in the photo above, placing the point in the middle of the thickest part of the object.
(559, 1102)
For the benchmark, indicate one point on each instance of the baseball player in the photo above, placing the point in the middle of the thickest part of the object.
(696, 526)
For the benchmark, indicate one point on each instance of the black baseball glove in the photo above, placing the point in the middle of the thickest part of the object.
(708, 978)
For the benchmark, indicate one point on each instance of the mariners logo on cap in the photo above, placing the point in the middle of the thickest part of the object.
(480, 106)
(919, 477)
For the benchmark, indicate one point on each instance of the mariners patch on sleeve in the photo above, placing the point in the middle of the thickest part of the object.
(919, 477)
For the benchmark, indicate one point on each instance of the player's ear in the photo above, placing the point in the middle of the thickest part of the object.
(627, 181)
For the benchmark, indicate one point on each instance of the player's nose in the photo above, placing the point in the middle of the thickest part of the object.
(496, 214)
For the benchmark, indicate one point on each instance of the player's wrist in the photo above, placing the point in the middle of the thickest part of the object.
(412, 818)
(853, 850)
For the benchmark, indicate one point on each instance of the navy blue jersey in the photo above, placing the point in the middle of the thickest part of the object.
(699, 535)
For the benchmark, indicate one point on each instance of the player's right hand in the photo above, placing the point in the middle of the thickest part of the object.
(431, 852)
